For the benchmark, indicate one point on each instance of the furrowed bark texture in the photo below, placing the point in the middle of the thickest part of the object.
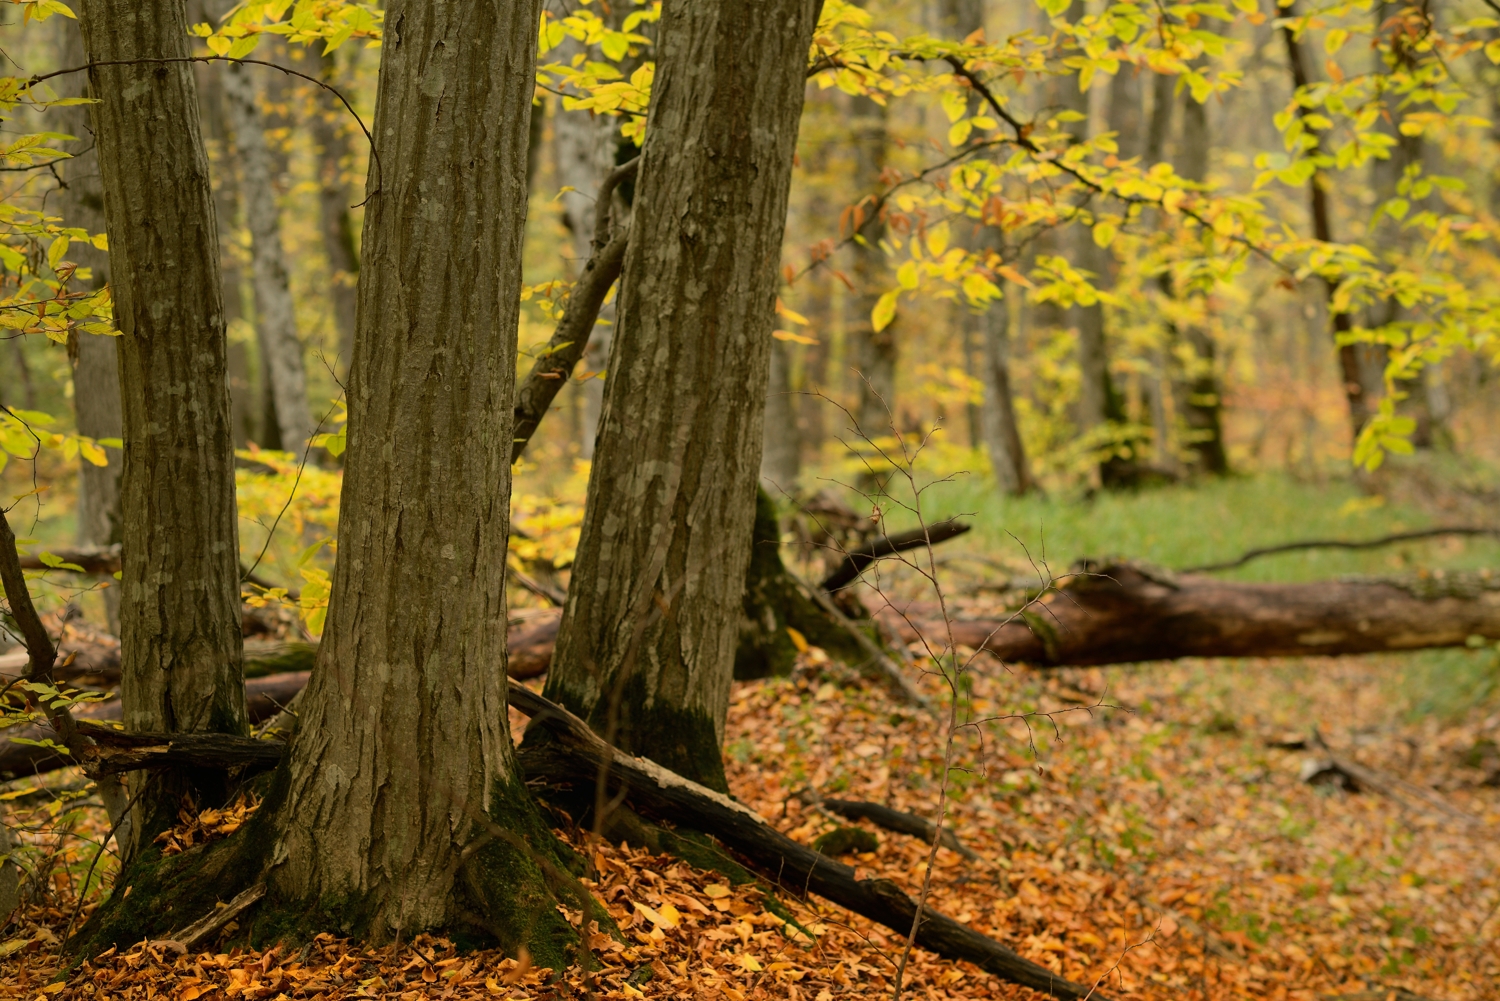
(403, 755)
(648, 639)
(96, 368)
(180, 609)
(275, 317)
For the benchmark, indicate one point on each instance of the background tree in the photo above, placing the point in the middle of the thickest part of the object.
(180, 644)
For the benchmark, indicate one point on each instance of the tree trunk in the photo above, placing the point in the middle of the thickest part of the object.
(646, 650)
(584, 145)
(1002, 432)
(403, 759)
(96, 369)
(329, 127)
(873, 352)
(1125, 613)
(1351, 369)
(781, 458)
(1202, 397)
(180, 608)
(275, 315)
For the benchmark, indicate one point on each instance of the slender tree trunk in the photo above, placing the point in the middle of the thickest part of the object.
(180, 610)
(646, 650)
(584, 145)
(329, 127)
(781, 456)
(1202, 397)
(275, 315)
(872, 352)
(403, 757)
(96, 368)
(1002, 432)
(1356, 390)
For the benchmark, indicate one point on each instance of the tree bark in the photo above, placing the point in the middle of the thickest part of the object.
(1125, 613)
(180, 607)
(275, 315)
(874, 353)
(403, 758)
(1002, 432)
(646, 651)
(96, 369)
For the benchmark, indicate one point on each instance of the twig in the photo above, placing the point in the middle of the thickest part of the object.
(1384, 540)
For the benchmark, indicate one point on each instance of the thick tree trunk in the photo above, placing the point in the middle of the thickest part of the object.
(96, 368)
(646, 650)
(403, 768)
(275, 315)
(329, 127)
(872, 352)
(180, 607)
(1125, 613)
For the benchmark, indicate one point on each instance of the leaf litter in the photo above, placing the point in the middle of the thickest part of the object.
(1165, 848)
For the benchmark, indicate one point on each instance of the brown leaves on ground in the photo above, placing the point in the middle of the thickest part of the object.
(200, 827)
(1162, 850)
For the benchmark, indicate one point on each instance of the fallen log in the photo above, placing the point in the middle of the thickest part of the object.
(1126, 613)
(574, 750)
(264, 698)
(902, 823)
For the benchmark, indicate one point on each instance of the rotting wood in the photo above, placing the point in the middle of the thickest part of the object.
(1123, 613)
(899, 822)
(663, 795)
(184, 940)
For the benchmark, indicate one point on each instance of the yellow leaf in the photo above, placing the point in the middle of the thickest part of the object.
(218, 45)
(1493, 51)
(1335, 40)
(716, 890)
(783, 310)
(56, 252)
(1011, 274)
(906, 275)
(751, 963)
(958, 134)
(884, 311)
(800, 642)
(793, 336)
(937, 239)
(1104, 233)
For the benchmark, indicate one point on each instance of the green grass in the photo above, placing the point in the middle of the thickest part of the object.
(1187, 525)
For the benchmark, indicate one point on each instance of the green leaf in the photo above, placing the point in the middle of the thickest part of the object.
(57, 563)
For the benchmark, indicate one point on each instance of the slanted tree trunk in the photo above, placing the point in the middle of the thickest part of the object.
(646, 650)
(96, 369)
(403, 768)
(180, 609)
(275, 315)
(873, 352)
(329, 126)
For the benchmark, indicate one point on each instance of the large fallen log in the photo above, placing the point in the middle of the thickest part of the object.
(655, 792)
(1126, 613)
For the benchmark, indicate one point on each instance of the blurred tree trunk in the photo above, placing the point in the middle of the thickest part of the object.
(873, 353)
(275, 313)
(180, 604)
(781, 457)
(645, 650)
(1202, 394)
(329, 124)
(1352, 368)
(96, 368)
(383, 826)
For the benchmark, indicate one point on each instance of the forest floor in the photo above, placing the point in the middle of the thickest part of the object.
(1161, 849)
